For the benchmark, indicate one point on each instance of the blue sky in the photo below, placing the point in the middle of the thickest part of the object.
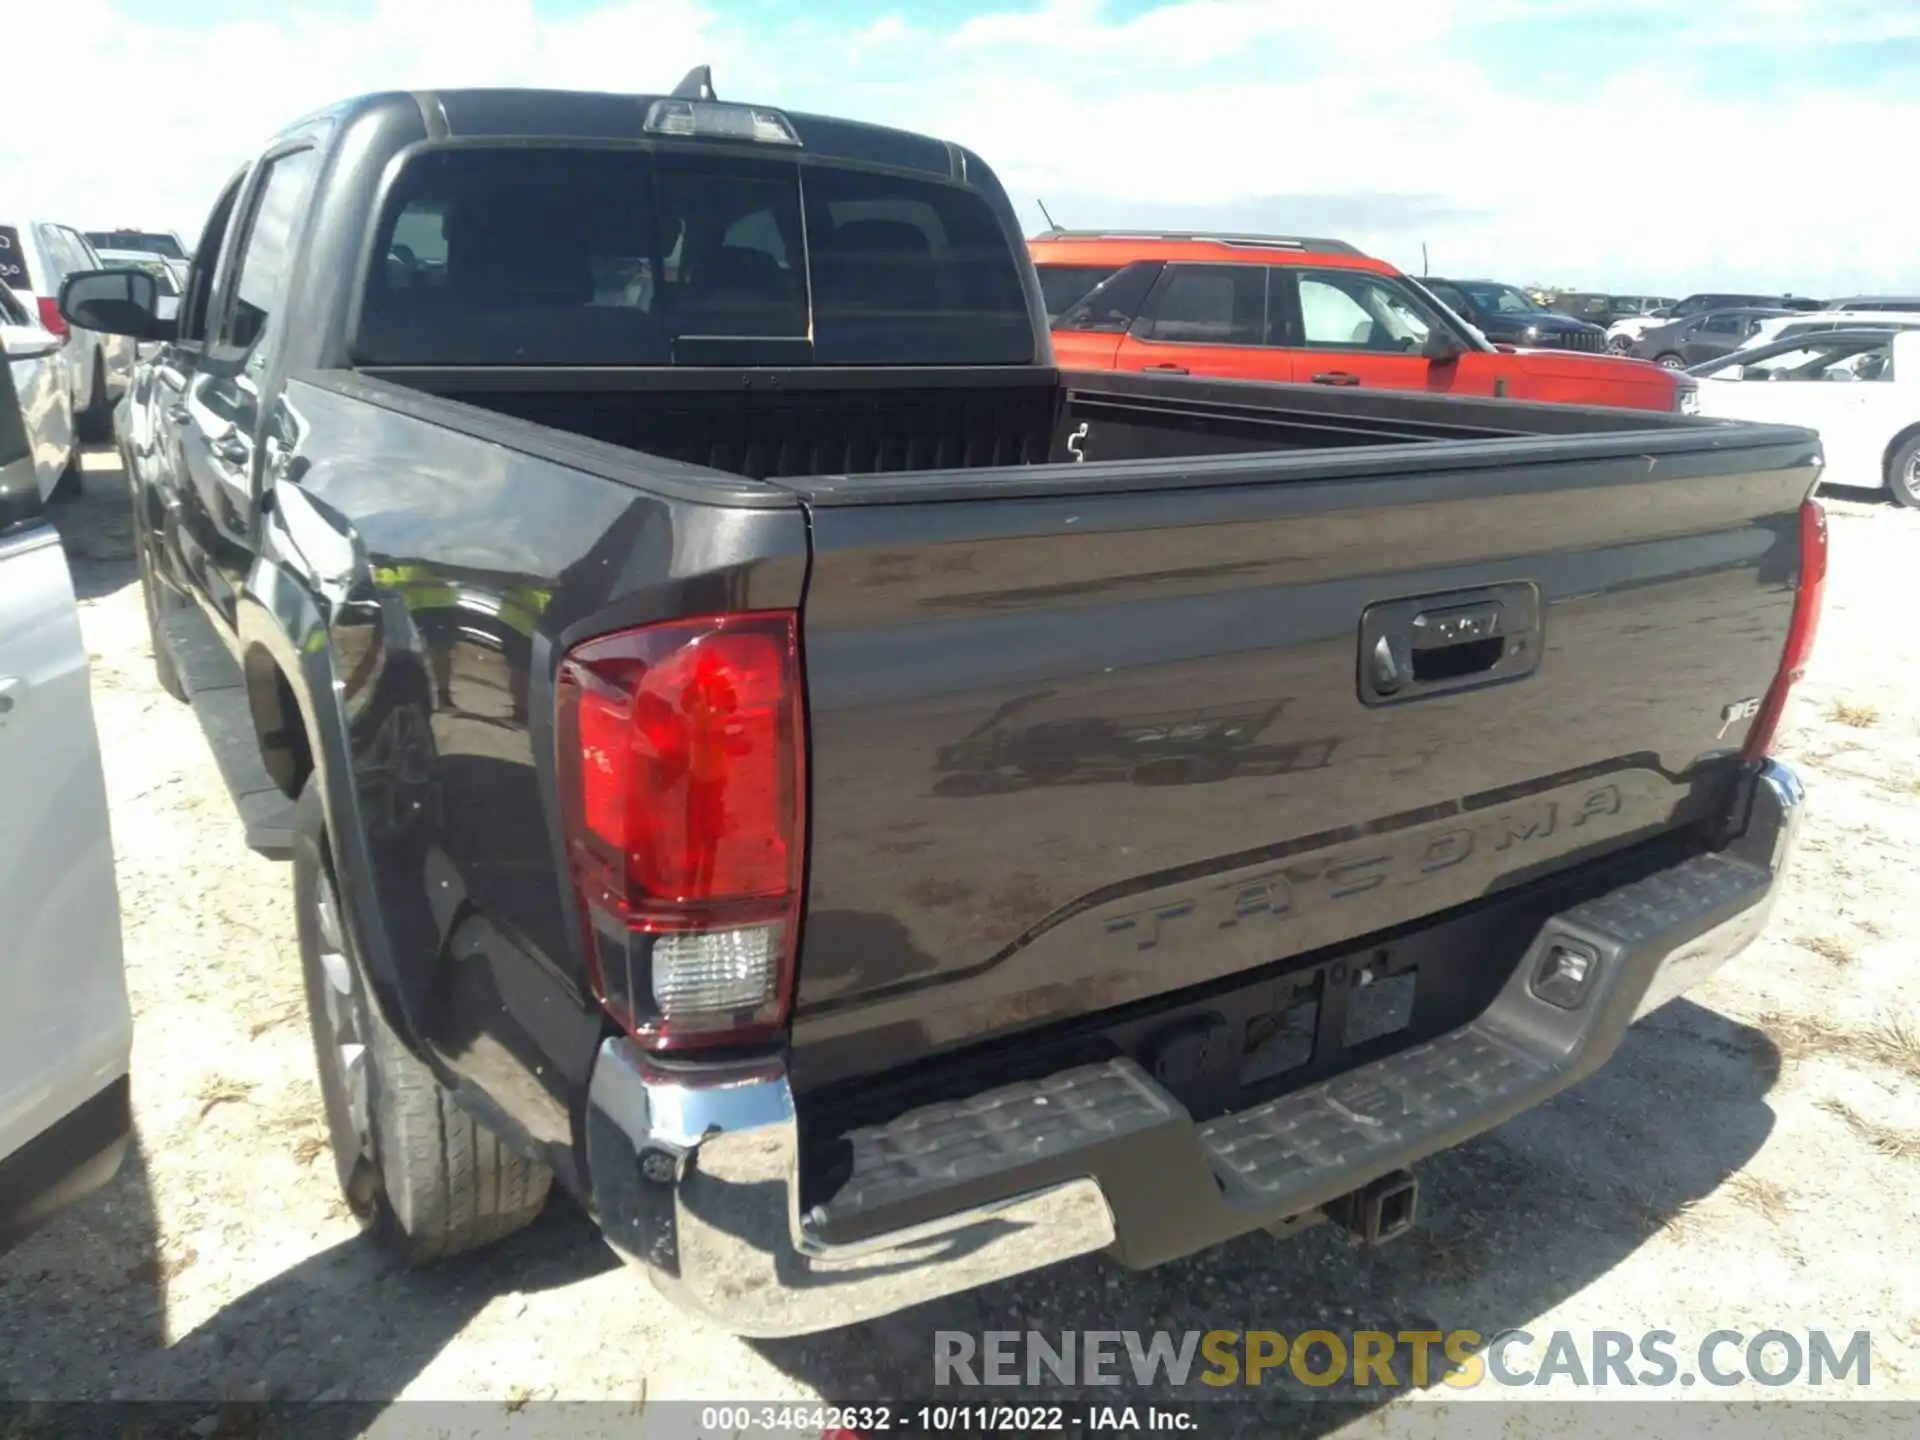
(1611, 144)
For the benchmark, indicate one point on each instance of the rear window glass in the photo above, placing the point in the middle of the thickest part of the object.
(619, 256)
(150, 241)
(13, 260)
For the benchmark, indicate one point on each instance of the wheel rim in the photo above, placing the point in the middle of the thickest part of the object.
(1669, 362)
(1913, 473)
(347, 1047)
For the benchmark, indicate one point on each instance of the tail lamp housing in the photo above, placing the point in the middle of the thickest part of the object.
(51, 318)
(682, 773)
(1802, 630)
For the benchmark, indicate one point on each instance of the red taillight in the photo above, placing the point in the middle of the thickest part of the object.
(1801, 630)
(51, 317)
(682, 771)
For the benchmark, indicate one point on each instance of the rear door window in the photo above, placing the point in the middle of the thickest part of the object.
(1111, 306)
(1064, 286)
(1207, 305)
(558, 256)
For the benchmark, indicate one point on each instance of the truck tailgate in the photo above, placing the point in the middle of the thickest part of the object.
(1072, 751)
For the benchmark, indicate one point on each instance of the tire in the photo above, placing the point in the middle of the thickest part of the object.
(159, 600)
(1671, 361)
(423, 1176)
(95, 423)
(1903, 472)
(1620, 345)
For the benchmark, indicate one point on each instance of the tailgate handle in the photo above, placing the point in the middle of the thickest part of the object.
(1440, 644)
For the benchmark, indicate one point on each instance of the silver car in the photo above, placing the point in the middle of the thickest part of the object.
(35, 256)
(66, 1029)
(46, 407)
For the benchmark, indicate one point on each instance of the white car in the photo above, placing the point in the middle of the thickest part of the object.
(1859, 388)
(35, 256)
(66, 1029)
(46, 406)
(1785, 327)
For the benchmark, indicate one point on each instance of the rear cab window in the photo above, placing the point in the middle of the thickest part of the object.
(565, 255)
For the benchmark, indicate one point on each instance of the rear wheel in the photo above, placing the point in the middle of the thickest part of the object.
(1671, 361)
(95, 423)
(425, 1177)
(1620, 345)
(1903, 472)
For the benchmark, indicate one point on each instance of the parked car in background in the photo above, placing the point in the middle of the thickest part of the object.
(66, 1029)
(1859, 388)
(35, 256)
(1622, 334)
(1815, 322)
(163, 243)
(1296, 309)
(1587, 305)
(1699, 338)
(1860, 303)
(1507, 315)
(40, 385)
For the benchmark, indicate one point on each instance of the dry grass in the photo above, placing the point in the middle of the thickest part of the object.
(1887, 1139)
(1894, 1044)
(218, 1090)
(1829, 947)
(1763, 1197)
(309, 1147)
(1856, 716)
(1682, 1222)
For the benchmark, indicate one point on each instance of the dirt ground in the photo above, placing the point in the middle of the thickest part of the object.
(1749, 1161)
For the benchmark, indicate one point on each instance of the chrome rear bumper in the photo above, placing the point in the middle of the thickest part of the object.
(695, 1167)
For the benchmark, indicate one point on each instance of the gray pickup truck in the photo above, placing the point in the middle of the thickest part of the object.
(871, 813)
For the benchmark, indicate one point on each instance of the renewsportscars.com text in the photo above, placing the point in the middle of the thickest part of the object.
(1405, 1359)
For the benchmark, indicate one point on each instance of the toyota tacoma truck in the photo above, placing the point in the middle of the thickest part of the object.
(871, 814)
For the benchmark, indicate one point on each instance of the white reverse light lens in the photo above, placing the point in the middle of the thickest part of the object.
(716, 972)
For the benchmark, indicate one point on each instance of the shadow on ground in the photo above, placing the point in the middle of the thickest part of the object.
(96, 529)
(1513, 1224)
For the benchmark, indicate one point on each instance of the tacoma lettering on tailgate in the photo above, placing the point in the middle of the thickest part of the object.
(1316, 880)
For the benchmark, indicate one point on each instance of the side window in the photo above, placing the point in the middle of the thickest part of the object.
(1110, 307)
(1721, 325)
(1208, 305)
(205, 268)
(1344, 310)
(266, 255)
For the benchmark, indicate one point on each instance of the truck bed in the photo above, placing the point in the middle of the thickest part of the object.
(1086, 735)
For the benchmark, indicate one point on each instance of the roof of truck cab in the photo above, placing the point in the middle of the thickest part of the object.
(1119, 248)
(598, 116)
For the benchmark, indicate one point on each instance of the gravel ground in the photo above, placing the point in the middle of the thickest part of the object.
(1741, 1164)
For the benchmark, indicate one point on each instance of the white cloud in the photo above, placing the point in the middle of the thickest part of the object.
(1272, 110)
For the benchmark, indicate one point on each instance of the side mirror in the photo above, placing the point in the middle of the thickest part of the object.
(29, 342)
(1441, 348)
(115, 302)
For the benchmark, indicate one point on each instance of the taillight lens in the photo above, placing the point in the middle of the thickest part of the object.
(51, 317)
(1801, 630)
(682, 771)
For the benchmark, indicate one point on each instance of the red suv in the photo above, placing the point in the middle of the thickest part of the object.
(1262, 307)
